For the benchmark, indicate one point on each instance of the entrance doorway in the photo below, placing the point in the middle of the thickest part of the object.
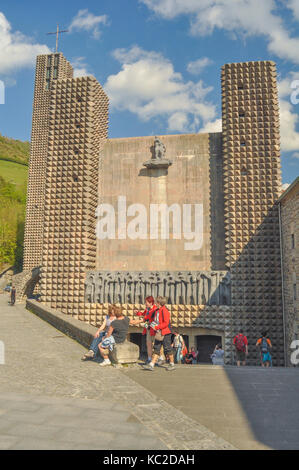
(140, 340)
(206, 345)
(186, 341)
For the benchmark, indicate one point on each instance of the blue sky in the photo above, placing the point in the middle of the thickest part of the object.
(158, 60)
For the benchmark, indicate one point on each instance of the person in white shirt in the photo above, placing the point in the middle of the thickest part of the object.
(178, 345)
(218, 356)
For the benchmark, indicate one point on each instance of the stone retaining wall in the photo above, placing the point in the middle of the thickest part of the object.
(76, 329)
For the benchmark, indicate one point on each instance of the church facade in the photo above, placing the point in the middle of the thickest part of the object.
(192, 217)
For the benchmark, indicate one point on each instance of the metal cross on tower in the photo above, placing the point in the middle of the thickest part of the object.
(57, 35)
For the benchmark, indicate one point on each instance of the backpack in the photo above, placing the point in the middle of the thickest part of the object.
(240, 343)
(264, 345)
(179, 341)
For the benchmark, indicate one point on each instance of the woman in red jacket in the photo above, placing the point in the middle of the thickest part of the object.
(148, 316)
(161, 325)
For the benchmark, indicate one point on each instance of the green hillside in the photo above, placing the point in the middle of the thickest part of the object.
(14, 156)
(14, 150)
(14, 173)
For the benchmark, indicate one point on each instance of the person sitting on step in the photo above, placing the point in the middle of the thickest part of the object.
(117, 333)
(100, 334)
(191, 356)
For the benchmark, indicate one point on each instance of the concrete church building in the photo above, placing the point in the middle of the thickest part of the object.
(93, 232)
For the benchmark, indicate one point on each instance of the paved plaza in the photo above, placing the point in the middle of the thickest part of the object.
(251, 407)
(49, 399)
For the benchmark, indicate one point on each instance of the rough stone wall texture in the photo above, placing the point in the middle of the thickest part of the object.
(290, 250)
(26, 284)
(252, 182)
(203, 316)
(49, 68)
(78, 123)
(193, 178)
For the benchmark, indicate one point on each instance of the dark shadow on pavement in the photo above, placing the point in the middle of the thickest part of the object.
(269, 398)
(252, 408)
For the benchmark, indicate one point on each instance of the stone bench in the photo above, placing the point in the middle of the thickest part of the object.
(124, 353)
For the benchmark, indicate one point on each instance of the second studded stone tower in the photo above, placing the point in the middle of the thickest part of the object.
(252, 182)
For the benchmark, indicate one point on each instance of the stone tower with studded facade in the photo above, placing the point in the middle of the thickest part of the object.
(252, 185)
(70, 123)
(49, 68)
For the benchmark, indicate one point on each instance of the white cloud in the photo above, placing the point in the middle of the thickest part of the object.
(295, 155)
(289, 117)
(84, 20)
(289, 121)
(246, 17)
(80, 67)
(197, 66)
(284, 85)
(213, 126)
(294, 6)
(172, 8)
(148, 86)
(178, 121)
(17, 51)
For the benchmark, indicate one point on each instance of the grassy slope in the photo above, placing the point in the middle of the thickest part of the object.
(14, 150)
(14, 173)
(14, 157)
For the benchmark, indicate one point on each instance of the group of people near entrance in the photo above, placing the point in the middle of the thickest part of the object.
(157, 329)
(159, 336)
(241, 349)
(158, 332)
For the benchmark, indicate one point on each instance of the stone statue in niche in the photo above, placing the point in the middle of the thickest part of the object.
(159, 150)
(158, 160)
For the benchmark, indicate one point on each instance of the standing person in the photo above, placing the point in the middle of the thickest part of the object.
(178, 345)
(117, 333)
(148, 317)
(100, 334)
(241, 347)
(161, 324)
(13, 296)
(218, 356)
(265, 345)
